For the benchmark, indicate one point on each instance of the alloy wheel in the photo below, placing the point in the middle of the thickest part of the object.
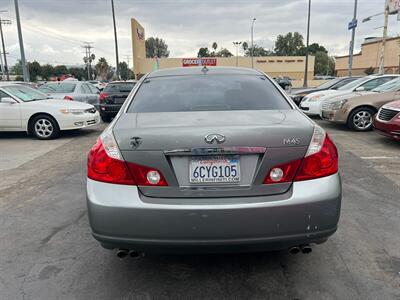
(44, 128)
(362, 120)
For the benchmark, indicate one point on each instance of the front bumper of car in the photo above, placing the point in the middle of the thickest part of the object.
(72, 121)
(121, 217)
(311, 108)
(336, 116)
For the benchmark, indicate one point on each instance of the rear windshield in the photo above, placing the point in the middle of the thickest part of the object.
(64, 87)
(207, 93)
(119, 87)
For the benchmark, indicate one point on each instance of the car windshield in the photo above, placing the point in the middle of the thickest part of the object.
(58, 87)
(390, 86)
(119, 87)
(328, 84)
(25, 93)
(207, 93)
(353, 84)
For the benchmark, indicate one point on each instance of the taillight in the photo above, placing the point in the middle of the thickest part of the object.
(103, 96)
(105, 163)
(68, 98)
(320, 160)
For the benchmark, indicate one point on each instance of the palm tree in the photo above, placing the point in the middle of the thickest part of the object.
(214, 46)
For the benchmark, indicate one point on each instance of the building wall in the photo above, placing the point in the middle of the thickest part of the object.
(369, 57)
(274, 66)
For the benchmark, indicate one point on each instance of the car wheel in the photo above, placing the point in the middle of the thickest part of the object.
(105, 118)
(361, 119)
(44, 127)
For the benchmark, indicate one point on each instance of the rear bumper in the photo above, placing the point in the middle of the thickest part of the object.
(110, 109)
(120, 217)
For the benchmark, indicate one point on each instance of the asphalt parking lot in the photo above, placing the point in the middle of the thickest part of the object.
(47, 251)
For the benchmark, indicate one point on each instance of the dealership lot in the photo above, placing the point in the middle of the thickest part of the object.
(47, 251)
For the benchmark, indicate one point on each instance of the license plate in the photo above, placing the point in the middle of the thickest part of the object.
(214, 169)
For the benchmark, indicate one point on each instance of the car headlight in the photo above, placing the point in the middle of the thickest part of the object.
(67, 111)
(315, 98)
(336, 105)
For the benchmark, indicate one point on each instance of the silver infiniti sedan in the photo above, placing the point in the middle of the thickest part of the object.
(210, 160)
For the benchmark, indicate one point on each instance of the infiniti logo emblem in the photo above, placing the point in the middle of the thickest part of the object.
(214, 137)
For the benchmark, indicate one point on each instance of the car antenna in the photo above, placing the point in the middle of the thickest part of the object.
(205, 70)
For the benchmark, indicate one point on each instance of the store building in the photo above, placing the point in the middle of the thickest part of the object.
(291, 66)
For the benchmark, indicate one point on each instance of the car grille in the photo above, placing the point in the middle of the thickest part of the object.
(387, 114)
(91, 110)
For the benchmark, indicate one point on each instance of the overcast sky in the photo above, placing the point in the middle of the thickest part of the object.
(53, 30)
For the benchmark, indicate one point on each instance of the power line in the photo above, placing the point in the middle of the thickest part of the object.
(89, 57)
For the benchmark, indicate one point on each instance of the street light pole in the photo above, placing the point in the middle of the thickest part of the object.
(116, 40)
(385, 26)
(25, 70)
(252, 43)
(305, 83)
(5, 66)
(237, 44)
(353, 34)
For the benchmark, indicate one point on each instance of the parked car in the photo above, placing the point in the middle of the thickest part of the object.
(75, 90)
(98, 84)
(212, 159)
(387, 120)
(112, 98)
(333, 84)
(358, 109)
(26, 109)
(284, 82)
(312, 103)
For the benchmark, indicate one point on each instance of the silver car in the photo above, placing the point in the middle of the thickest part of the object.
(81, 91)
(209, 160)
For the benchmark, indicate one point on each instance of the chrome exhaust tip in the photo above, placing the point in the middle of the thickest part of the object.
(134, 254)
(306, 249)
(122, 253)
(294, 250)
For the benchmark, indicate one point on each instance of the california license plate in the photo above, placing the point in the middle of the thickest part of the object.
(214, 169)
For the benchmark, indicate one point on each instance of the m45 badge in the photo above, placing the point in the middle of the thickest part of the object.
(291, 141)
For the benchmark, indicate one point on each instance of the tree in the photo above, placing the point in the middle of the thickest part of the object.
(60, 70)
(258, 51)
(245, 46)
(289, 44)
(124, 71)
(102, 68)
(214, 46)
(17, 68)
(47, 72)
(369, 71)
(222, 53)
(35, 70)
(321, 63)
(78, 73)
(312, 49)
(203, 52)
(156, 47)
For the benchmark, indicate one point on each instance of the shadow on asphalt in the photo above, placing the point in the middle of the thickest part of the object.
(67, 134)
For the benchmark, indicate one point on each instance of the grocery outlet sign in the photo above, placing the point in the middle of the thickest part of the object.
(191, 62)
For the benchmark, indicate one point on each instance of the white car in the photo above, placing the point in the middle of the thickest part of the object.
(25, 109)
(312, 103)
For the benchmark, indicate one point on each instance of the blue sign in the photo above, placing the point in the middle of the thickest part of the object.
(352, 24)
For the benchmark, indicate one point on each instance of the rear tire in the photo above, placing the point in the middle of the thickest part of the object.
(44, 127)
(361, 119)
(105, 118)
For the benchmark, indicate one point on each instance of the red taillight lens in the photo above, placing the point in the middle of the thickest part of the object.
(103, 96)
(320, 164)
(68, 98)
(102, 167)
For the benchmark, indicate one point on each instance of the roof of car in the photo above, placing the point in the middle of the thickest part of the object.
(200, 70)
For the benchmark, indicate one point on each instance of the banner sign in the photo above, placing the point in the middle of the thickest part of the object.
(191, 62)
(394, 6)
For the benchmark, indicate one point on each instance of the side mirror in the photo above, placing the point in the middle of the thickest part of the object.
(8, 100)
(360, 89)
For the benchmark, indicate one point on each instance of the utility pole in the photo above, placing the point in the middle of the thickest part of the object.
(25, 70)
(352, 26)
(5, 66)
(385, 26)
(237, 44)
(116, 40)
(128, 58)
(305, 83)
(89, 57)
(252, 43)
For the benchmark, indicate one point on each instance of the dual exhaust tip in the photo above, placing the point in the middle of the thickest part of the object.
(122, 253)
(306, 249)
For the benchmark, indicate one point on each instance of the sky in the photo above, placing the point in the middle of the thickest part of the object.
(54, 30)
